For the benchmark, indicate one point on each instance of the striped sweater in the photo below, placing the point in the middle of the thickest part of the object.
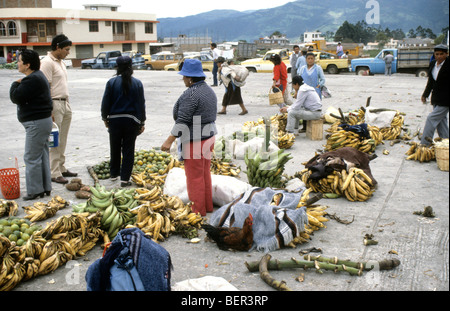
(195, 113)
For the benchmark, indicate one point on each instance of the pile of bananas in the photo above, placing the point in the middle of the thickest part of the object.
(355, 185)
(41, 211)
(421, 153)
(114, 207)
(266, 170)
(154, 175)
(342, 138)
(160, 215)
(8, 208)
(224, 167)
(278, 132)
(280, 121)
(393, 132)
(46, 250)
(285, 140)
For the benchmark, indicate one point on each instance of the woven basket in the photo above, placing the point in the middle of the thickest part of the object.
(10, 182)
(442, 158)
(276, 98)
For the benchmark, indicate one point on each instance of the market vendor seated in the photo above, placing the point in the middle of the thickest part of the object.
(307, 106)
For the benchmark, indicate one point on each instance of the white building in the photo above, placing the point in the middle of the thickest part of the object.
(96, 29)
(309, 37)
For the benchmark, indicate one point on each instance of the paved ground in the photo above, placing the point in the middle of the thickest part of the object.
(422, 244)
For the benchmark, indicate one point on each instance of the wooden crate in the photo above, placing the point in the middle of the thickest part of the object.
(314, 129)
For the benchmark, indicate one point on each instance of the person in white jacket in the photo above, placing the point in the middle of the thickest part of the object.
(307, 106)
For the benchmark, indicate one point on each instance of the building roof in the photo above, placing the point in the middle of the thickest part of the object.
(51, 14)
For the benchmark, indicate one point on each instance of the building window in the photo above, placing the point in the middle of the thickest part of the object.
(93, 26)
(108, 23)
(2, 30)
(12, 30)
(148, 27)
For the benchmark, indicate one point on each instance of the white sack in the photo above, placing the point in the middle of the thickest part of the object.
(224, 188)
(380, 119)
(207, 283)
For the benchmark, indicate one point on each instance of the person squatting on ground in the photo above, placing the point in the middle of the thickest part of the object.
(437, 86)
(123, 111)
(231, 77)
(55, 70)
(195, 114)
(307, 106)
(34, 110)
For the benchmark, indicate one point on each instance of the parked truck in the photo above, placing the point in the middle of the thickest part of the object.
(107, 60)
(264, 64)
(406, 60)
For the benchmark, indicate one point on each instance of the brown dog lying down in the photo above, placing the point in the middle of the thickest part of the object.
(344, 158)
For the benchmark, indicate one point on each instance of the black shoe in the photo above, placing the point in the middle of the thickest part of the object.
(48, 193)
(33, 196)
(69, 174)
(124, 184)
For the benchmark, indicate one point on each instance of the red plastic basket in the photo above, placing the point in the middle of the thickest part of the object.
(10, 182)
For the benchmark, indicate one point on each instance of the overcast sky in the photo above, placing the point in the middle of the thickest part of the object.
(174, 8)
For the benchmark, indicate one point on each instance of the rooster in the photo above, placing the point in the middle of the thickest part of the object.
(240, 239)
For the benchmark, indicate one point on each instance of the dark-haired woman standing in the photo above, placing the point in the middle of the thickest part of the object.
(34, 111)
(123, 111)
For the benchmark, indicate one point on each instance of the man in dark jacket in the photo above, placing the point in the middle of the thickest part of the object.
(438, 80)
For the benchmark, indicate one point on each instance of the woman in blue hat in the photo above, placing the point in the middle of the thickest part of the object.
(195, 115)
(123, 111)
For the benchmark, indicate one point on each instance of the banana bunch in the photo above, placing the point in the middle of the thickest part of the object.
(265, 170)
(342, 138)
(280, 121)
(355, 185)
(41, 211)
(47, 249)
(149, 179)
(160, 215)
(285, 140)
(224, 167)
(8, 208)
(421, 153)
(393, 132)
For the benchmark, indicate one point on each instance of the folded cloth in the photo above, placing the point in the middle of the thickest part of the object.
(343, 158)
(360, 129)
(273, 226)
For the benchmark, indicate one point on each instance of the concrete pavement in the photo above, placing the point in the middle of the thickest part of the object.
(422, 243)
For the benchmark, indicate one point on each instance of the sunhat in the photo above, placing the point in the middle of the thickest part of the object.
(192, 68)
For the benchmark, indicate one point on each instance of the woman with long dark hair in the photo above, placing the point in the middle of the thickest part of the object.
(123, 111)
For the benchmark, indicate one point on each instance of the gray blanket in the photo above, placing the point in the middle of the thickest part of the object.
(273, 226)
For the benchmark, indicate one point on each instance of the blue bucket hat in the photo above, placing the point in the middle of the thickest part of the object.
(192, 68)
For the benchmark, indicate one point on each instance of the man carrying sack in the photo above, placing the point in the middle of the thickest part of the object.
(55, 71)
